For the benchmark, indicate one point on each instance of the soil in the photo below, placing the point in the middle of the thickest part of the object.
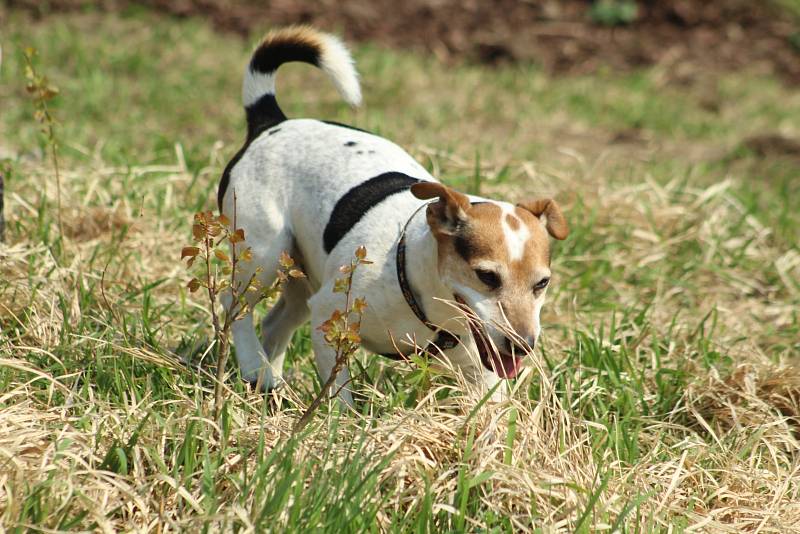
(686, 37)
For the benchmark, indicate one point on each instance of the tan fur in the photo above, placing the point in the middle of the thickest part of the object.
(478, 231)
(301, 35)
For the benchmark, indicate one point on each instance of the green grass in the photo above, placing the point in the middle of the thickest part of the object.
(668, 363)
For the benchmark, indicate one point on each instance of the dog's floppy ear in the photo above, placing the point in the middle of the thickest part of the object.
(550, 214)
(447, 215)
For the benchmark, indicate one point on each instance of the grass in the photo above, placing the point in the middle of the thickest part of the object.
(664, 397)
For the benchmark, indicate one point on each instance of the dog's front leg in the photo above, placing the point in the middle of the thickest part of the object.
(483, 381)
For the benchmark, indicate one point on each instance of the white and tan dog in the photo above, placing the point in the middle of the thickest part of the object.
(318, 190)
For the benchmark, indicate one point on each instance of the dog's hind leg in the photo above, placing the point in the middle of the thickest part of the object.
(288, 314)
(253, 362)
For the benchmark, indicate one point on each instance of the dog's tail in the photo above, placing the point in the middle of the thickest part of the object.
(296, 43)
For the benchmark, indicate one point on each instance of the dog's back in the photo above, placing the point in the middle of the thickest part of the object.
(319, 178)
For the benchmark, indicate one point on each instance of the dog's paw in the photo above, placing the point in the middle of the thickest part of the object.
(265, 386)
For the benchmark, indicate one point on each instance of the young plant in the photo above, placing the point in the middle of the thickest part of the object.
(341, 331)
(614, 12)
(42, 92)
(221, 273)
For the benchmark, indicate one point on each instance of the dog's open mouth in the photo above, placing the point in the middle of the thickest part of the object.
(504, 364)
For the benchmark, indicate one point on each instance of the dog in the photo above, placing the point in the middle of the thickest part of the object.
(319, 189)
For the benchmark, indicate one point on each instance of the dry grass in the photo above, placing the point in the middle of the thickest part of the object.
(665, 394)
(723, 458)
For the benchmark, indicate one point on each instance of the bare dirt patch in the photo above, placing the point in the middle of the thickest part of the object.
(687, 36)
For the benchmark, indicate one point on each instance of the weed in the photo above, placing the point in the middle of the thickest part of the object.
(613, 12)
(212, 232)
(341, 330)
(42, 92)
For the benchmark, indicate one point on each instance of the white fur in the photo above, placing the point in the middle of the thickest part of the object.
(335, 60)
(285, 187)
(337, 63)
(515, 239)
(256, 85)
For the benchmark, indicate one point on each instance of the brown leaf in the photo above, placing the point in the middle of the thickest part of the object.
(193, 285)
(190, 252)
(237, 236)
(223, 219)
(296, 273)
(198, 231)
(286, 261)
(361, 252)
(359, 305)
(246, 255)
(340, 285)
(221, 256)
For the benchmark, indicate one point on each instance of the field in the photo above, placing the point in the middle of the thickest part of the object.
(666, 392)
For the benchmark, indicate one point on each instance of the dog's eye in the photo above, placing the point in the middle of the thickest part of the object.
(490, 278)
(541, 284)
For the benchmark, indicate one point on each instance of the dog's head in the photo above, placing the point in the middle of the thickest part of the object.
(495, 258)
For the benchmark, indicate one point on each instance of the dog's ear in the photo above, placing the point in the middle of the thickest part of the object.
(550, 214)
(447, 215)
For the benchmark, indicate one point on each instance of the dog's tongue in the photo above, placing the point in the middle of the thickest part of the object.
(506, 365)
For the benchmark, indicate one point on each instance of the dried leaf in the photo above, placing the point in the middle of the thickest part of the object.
(359, 305)
(296, 273)
(190, 252)
(361, 252)
(340, 285)
(193, 285)
(246, 255)
(237, 236)
(221, 256)
(223, 220)
(198, 230)
(286, 260)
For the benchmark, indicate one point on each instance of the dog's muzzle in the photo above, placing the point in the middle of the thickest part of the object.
(497, 359)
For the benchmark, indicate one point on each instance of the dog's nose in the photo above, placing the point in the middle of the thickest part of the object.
(520, 345)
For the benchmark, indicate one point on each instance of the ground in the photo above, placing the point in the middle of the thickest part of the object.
(665, 395)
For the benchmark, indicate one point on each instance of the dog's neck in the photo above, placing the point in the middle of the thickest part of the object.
(422, 270)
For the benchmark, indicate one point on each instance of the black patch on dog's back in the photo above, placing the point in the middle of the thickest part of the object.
(359, 200)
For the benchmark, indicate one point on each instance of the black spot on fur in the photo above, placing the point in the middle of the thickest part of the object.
(350, 143)
(360, 152)
(359, 200)
(273, 131)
